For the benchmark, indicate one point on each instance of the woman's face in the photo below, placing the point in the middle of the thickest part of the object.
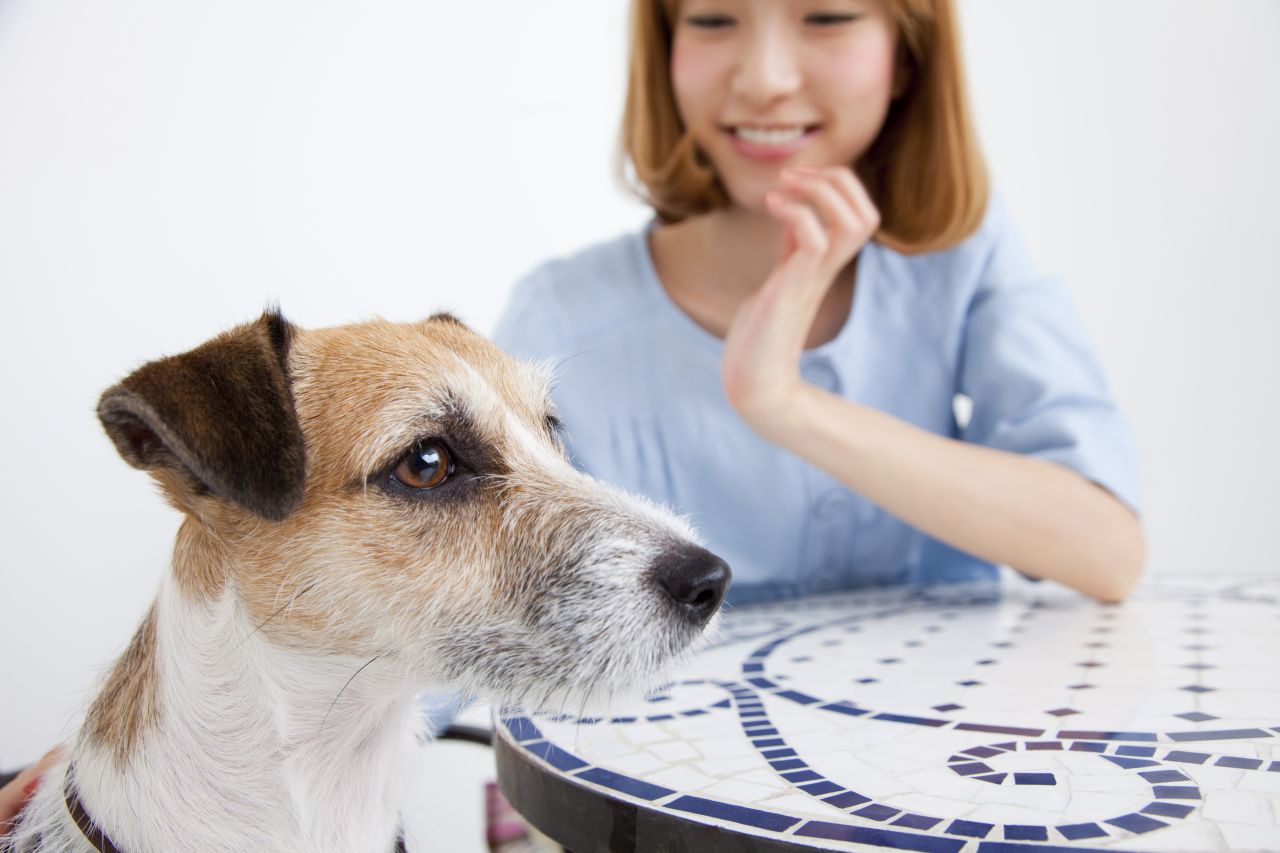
(763, 84)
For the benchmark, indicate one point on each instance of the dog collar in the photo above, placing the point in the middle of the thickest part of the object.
(99, 839)
(90, 830)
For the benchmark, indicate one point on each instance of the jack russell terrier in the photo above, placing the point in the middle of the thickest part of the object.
(371, 510)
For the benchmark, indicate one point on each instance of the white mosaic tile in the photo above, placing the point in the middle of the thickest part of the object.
(1210, 778)
(646, 735)
(944, 783)
(1057, 801)
(939, 806)
(638, 764)
(1235, 807)
(767, 777)
(723, 747)
(746, 792)
(1248, 837)
(1115, 784)
(674, 751)
(1100, 805)
(1268, 783)
(1189, 837)
(801, 805)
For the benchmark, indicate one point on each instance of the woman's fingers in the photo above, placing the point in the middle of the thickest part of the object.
(804, 229)
(838, 215)
(15, 795)
(847, 215)
(848, 185)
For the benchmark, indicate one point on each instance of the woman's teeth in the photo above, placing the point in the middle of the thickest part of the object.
(768, 135)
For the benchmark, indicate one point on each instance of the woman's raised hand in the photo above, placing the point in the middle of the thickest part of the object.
(827, 217)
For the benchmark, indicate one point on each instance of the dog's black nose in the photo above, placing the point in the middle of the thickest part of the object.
(694, 579)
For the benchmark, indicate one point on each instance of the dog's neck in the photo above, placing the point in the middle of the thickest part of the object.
(255, 745)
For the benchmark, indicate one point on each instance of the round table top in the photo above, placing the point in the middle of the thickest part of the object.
(942, 719)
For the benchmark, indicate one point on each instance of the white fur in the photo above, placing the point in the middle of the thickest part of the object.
(297, 772)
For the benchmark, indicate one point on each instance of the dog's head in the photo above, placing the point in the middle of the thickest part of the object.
(402, 491)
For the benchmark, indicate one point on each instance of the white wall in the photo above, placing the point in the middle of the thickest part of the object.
(167, 168)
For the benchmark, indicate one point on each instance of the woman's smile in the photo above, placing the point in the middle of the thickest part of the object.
(769, 142)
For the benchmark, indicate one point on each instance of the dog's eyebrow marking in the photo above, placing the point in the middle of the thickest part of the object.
(487, 432)
(451, 421)
(485, 405)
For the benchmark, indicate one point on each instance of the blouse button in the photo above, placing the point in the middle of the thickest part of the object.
(821, 374)
(832, 504)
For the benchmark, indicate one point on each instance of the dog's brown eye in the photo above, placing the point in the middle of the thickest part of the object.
(426, 466)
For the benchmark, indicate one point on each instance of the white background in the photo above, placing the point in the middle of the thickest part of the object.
(168, 168)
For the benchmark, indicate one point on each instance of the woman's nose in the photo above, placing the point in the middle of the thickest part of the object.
(767, 68)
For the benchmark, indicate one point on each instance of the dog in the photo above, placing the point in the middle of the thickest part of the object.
(370, 511)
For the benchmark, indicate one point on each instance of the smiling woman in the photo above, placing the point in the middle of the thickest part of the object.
(728, 71)
(885, 88)
(827, 273)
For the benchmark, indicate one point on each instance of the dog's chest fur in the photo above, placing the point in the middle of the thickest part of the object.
(243, 746)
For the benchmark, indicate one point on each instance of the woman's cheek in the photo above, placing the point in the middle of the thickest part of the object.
(691, 77)
(864, 73)
(859, 92)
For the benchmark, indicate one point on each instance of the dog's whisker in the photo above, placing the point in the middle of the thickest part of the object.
(344, 690)
(287, 605)
(293, 599)
(555, 369)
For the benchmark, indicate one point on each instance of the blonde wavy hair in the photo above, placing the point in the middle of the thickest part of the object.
(924, 171)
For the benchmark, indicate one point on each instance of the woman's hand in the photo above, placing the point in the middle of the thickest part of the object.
(827, 217)
(15, 795)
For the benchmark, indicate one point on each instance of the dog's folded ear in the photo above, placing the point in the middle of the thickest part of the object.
(222, 414)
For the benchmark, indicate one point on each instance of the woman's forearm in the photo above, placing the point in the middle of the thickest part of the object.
(1038, 517)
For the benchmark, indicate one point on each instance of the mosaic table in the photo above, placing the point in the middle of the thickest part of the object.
(942, 720)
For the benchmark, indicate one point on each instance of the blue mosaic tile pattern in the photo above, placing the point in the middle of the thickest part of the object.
(860, 721)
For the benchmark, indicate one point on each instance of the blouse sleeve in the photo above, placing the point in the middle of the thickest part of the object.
(1036, 382)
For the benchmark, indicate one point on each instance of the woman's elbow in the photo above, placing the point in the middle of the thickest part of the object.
(1123, 564)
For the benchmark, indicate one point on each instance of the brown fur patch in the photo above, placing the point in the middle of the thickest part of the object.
(199, 562)
(129, 703)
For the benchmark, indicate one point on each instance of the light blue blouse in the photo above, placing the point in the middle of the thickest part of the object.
(638, 388)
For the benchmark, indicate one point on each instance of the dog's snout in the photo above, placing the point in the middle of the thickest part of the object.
(694, 579)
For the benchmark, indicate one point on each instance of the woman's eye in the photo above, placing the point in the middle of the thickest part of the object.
(425, 466)
(709, 21)
(830, 19)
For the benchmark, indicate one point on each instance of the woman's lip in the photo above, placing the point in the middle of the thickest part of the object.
(767, 152)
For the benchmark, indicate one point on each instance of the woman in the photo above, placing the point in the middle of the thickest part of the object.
(830, 349)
